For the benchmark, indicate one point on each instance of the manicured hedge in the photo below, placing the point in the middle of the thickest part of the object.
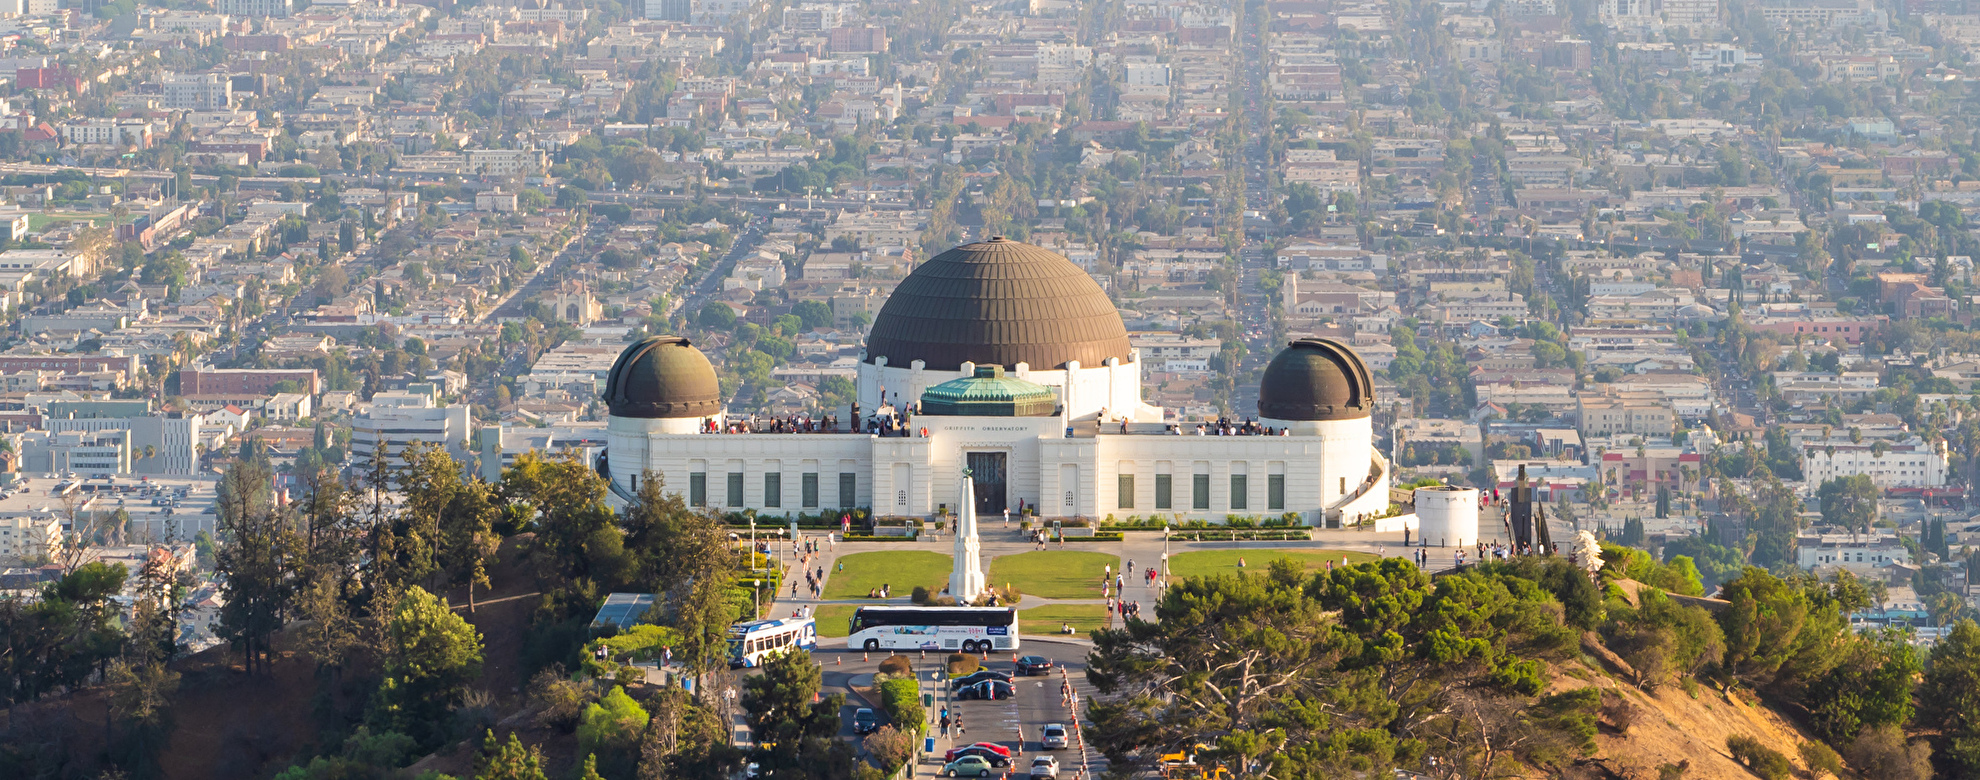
(901, 698)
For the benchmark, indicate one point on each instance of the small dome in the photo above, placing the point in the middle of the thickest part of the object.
(998, 302)
(663, 377)
(1314, 380)
(989, 394)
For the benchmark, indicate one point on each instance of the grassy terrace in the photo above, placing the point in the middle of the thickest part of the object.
(1208, 562)
(1054, 574)
(900, 569)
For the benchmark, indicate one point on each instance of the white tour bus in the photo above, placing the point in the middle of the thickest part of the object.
(964, 629)
(752, 643)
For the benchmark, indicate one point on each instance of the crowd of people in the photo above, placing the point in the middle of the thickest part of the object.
(794, 423)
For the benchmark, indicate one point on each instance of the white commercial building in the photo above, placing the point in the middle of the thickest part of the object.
(1909, 464)
(1861, 554)
(397, 420)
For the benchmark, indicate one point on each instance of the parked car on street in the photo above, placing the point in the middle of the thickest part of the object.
(1000, 750)
(968, 766)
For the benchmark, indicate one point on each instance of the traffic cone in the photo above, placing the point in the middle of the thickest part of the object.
(842, 661)
(862, 656)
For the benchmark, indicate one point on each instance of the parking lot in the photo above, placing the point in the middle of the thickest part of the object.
(1016, 723)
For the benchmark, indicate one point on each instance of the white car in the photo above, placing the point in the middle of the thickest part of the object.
(1054, 737)
(1045, 768)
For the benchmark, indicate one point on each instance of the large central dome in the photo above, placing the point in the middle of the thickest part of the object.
(998, 302)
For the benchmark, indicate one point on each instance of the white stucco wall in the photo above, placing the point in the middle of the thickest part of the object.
(1324, 473)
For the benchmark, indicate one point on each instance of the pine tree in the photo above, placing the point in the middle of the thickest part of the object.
(508, 761)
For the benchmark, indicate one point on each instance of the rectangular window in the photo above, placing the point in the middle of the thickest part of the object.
(808, 487)
(698, 489)
(735, 488)
(1275, 491)
(1240, 491)
(848, 489)
(1199, 492)
(1127, 491)
(773, 489)
(1163, 487)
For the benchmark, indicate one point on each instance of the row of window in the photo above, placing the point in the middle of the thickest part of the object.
(1199, 491)
(773, 489)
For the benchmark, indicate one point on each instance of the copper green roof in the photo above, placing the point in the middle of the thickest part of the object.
(998, 302)
(662, 377)
(989, 394)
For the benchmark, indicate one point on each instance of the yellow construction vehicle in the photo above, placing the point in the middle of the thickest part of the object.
(1182, 766)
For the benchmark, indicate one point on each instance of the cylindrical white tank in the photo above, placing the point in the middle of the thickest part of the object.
(1447, 515)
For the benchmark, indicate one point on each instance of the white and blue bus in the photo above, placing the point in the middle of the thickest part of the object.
(753, 642)
(963, 629)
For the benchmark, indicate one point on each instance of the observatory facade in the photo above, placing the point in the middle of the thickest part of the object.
(1008, 360)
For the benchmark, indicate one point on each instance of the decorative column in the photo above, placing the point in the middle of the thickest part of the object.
(966, 582)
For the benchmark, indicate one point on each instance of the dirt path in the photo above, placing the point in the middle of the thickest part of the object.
(479, 603)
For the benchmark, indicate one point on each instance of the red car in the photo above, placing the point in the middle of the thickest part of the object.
(990, 746)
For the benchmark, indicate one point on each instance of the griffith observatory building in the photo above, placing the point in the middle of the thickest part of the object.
(1015, 365)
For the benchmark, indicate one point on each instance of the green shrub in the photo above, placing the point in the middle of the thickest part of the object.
(897, 665)
(901, 699)
(1821, 758)
(963, 663)
(613, 723)
(1759, 759)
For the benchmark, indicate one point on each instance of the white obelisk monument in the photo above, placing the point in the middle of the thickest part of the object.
(966, 582)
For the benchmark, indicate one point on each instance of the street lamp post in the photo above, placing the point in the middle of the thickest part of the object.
(755, 583)
(1165, 555)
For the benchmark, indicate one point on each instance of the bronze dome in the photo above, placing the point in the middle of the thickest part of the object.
(998, 302)
(662, 377)
(1316, 379)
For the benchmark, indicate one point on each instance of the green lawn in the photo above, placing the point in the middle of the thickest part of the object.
(833, 620)
(900, 569)
(1053, 574)
(39, 221)
(1207, 562)
(1046, 620)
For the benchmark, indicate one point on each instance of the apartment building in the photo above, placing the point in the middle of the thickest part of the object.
(29, 538)
(1611, 412)
(203, 380)
(1907, 464)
